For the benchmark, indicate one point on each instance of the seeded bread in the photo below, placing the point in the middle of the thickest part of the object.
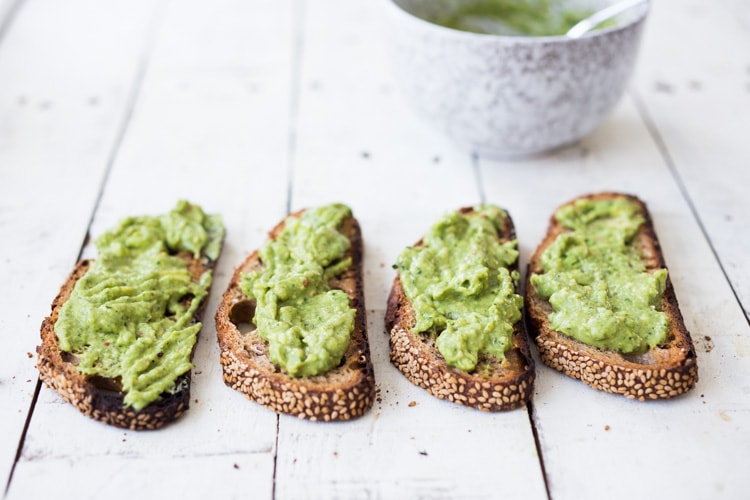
(662, 372)
(495, 385)
(343, 393)
(102, 398)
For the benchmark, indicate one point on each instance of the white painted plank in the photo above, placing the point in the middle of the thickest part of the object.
(409, 445)
(127, 477)
(210, 125)
(7, 7)
(61, 106)
(359, 143)
(696, 89)
(607, 437)
(213, 116)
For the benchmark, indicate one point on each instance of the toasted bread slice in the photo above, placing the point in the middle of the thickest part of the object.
(342, 393)
(102, 398)
(663, 371)
(494, 385)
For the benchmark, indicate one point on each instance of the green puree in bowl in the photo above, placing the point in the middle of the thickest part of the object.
(513, 17)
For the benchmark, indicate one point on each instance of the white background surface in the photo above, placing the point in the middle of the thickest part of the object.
(252, 108)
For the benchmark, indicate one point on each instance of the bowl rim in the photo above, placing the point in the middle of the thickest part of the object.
(640, 17)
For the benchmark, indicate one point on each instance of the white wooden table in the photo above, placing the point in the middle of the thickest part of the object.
(253, 108)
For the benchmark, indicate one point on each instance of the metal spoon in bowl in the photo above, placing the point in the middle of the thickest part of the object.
(584, 26)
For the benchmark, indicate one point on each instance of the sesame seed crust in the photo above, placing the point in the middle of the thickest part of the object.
(98, 397)
(663, 372)
(343, 393)
(495, 385)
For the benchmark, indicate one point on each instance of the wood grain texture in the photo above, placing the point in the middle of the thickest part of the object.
(210, 124)
(696, 96)
(240, 105)
(153, 477)
(620, 156)
(357, 142)
(59, 118)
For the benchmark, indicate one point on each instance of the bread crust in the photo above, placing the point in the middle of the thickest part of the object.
(342, 393)
(662, 372)
(99, 397)
(493, 386)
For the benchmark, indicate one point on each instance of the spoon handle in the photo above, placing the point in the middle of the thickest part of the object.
(584, 26)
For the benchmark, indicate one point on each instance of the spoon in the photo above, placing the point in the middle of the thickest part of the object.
(584, 26)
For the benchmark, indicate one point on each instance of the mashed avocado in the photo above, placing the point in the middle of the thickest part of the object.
(596, 282)
(513, 17)
(130, 316)
(460, 287)
(306, 323)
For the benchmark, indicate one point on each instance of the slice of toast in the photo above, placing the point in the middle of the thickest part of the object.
(342, 393)
(495, 385)
(663, 371)
(103, 398)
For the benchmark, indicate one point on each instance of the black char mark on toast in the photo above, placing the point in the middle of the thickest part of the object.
(98, 397)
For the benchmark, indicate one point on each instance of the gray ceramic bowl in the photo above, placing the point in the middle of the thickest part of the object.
(510, 96)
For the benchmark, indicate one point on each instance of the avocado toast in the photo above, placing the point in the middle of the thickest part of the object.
(119, 340)
(291, 324)
(454, 312)
(600, 304)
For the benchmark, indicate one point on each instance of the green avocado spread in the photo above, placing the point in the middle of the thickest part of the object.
(460, 287)
(596, 281)
(305, 321)
(512, 17)
(130, 316)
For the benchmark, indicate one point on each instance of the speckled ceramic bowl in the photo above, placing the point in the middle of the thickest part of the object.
(510, 96)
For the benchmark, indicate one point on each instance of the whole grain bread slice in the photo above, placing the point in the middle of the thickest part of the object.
(102, 398)
(662, 372)
(342, 393)
(495, 385)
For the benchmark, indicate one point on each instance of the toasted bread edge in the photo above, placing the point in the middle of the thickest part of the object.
(343, 393)
(674, 374)
(423, 365)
